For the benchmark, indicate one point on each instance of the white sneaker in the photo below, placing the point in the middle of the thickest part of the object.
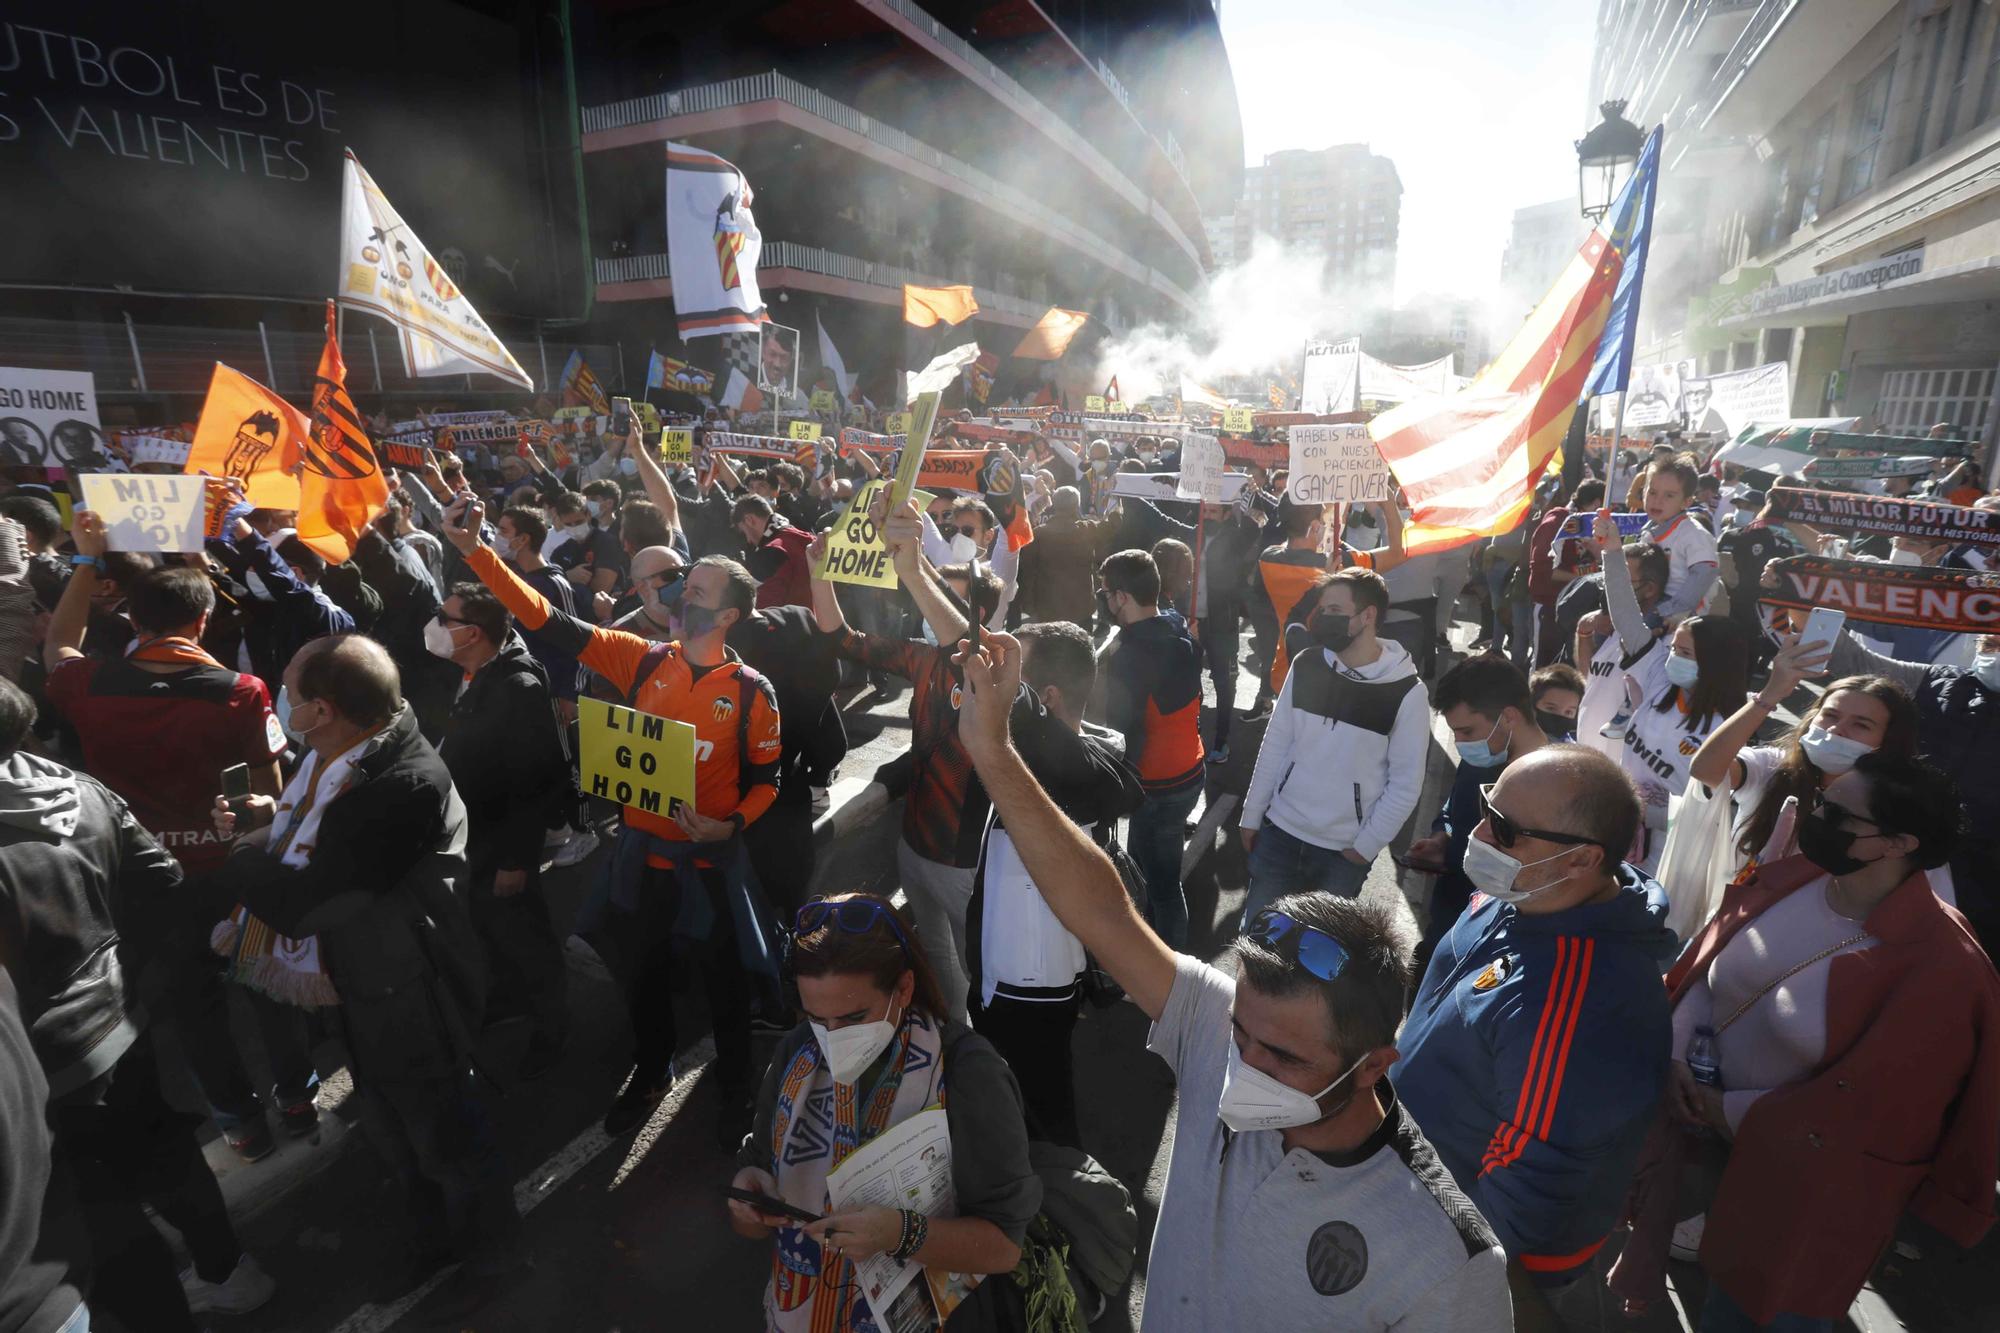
(578, 847)
(1686, 1244)
(246, 1289)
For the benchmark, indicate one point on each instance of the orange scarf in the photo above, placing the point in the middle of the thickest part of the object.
(172, 649)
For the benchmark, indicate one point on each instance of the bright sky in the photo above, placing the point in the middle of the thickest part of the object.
(1477, 102)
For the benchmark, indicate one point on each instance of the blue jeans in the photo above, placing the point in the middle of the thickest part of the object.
(1282, 864)
(1155, 839)
(1723, 1315)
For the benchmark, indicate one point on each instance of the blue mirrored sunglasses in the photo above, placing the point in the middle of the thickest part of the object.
(853, 916)
(1316, 951)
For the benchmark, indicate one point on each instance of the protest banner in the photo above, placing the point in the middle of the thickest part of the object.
(143, 449)
(636, 759)
(1267, 454)
(1866, 469)
(951, 469)
(1164, 487)
(749, 446)
(147, 513)
(1336, 465)
(1914, 596)
(1093, 402)
(1202, 470)
(676, 446)
(1583, 525)
(802, 430)
(981, 432)
(1330, 380)
(824, 401)
(1730, 401)
(1776, 446)
(1116, 408)
(395, 453)
(854, 440)
(1239, 420)
(48, 418)
(1882, 515)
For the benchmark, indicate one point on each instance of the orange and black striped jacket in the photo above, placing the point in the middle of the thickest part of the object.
(1152, 693)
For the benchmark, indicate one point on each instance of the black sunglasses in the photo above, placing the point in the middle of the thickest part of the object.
(1839, 815)
(664, 579)
(1506, 832)
(444, 619)
(1313, 949)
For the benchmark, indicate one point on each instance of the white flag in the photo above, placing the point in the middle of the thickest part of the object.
(943, 369)
(712, 245)
(385, 269)
(829, 357)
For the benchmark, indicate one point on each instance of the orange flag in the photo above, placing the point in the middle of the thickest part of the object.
(1048, 340)
(246, 431)
(926, 306)
(341, 486)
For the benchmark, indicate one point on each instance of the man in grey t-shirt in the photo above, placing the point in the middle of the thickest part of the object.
(1300, 1196)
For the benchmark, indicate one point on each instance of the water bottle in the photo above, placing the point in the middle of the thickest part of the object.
(1703, 1060)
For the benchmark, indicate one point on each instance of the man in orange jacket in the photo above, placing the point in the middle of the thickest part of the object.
(671, 873)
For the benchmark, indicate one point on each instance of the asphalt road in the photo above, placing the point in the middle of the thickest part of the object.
(629, 1235)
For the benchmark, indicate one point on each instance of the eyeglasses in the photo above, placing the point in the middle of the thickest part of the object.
(1506, 832)
(971, 530)
(1839, 815)
(444, 619)
(852, 916)
(663, 580)
(1316, 951)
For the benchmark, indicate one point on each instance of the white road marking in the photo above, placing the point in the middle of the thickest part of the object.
(542, 1182)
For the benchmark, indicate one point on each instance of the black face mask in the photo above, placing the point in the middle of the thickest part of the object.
(1827, 845)
(1332, 631)
(1554, 724)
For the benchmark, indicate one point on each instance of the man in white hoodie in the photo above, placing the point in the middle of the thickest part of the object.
(1343, 756)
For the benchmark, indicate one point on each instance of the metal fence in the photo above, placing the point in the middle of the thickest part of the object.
(132, 360)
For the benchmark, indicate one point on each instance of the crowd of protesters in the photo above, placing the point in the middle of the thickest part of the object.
(247, 789)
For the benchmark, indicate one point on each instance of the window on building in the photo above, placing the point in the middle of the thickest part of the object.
(1971, 20)
(1912, 401)
(1777, 191)
(1933, 33)
(1812, 173)
(1864, 134)
(1989, 86)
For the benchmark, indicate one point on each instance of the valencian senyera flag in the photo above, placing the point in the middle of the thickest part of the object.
(1468, 464)
(341, 487)
(387, 271)
(712, 245)
(580, 387)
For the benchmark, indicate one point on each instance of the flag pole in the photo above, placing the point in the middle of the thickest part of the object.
(1611, 496)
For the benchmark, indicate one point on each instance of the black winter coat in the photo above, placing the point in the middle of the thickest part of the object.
(505, 751)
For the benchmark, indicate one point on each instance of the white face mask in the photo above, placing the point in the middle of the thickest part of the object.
(628, 466)
(850, 1050)
(963, 548)
(1832, 754)
(596, 510)
(438, 640)
(1252, 1099)
(576, 532)
(1986, 666)
(1493, 872)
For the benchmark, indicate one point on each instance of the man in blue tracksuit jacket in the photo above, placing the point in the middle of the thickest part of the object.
(1536, 1053)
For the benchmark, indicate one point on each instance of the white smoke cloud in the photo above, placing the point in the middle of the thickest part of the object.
(1255, 317)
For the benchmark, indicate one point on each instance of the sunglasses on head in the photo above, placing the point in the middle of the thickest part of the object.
(852, 916)
(1312, 948)
(1506, 832)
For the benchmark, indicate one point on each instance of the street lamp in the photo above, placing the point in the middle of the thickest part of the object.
(1605, 158)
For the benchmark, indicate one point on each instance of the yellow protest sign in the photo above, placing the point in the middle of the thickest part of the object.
(649, 416)
(1239, 420)
(802, 430)
(633, 758)
(897, 424)
(855, 552)
(923, 415)
(823, 400)
(677, 446)
(1093, 402)
(1116, 408)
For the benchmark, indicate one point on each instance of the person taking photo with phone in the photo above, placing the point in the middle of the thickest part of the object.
(877, 1049)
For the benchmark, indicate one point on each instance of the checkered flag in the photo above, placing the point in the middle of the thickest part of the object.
(740, 355)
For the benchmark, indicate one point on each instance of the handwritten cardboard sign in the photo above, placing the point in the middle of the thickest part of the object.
(636, 759)
(1336, 465)
(144, 512)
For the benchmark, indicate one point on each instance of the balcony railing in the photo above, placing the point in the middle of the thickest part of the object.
(964, 50)
(812, 259)
(774, 86)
